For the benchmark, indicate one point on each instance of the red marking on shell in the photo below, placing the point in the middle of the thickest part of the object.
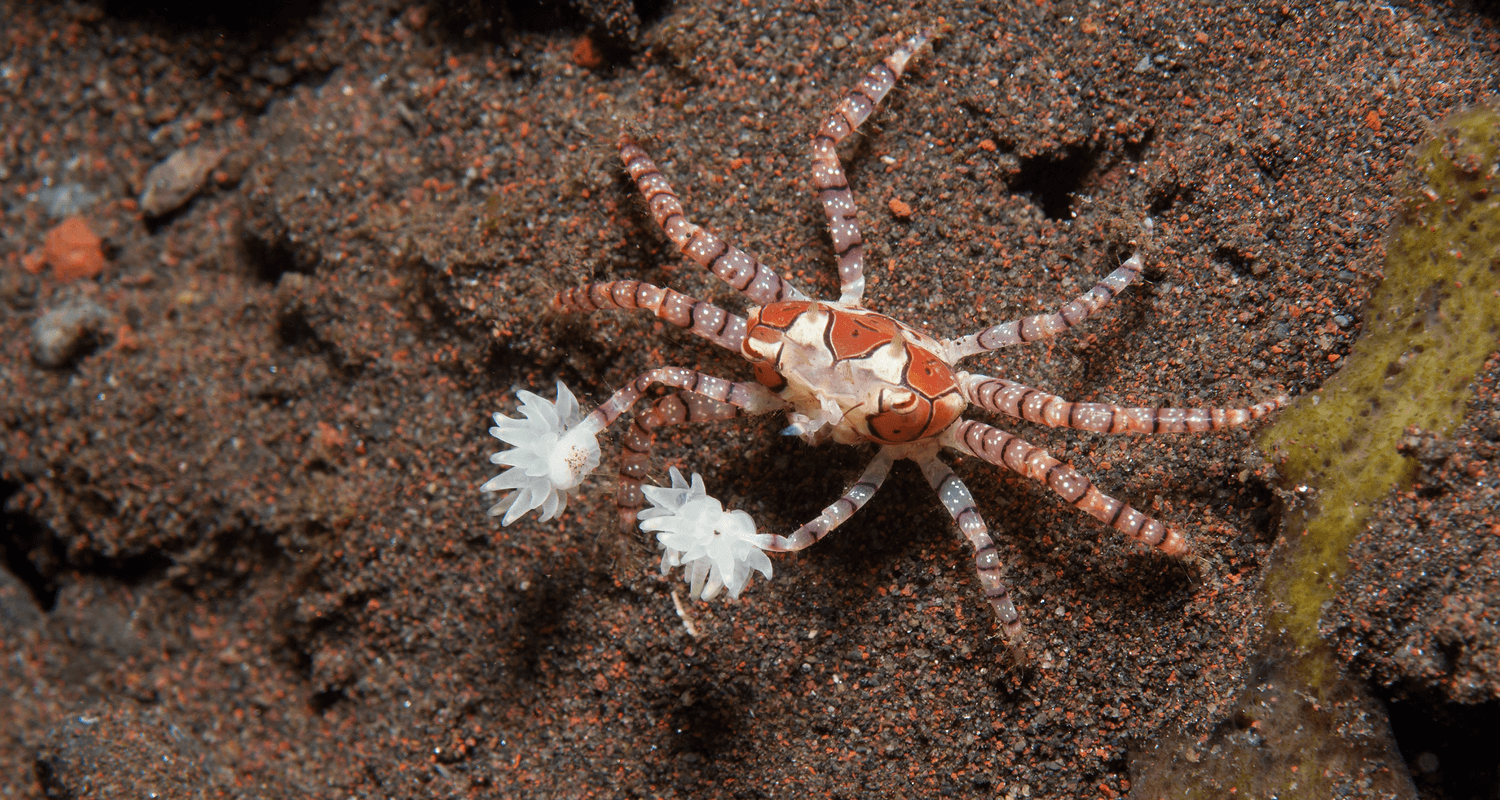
(780, 315)
(945, 411)
(856, 335)
(927, 374)
(894, 427)
(932, 381)
(763, 334)
(768, 377)
(928, 419)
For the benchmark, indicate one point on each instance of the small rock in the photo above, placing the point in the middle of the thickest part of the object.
(67, 200)
(587, 54)
(68, 333)
(173, 182)
(18, 608)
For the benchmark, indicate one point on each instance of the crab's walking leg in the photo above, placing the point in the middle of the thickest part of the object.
(635, 460)
(956, 498)
(842, 508)
(751, 398)
(1023, 402)
(733, 265)
(1018, 455)
(708, 321)
(828, 174)
(1042, 326)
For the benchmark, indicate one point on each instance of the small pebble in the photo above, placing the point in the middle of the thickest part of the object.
(173, 182)
(65, 334)
(67, 200)
(587, 54)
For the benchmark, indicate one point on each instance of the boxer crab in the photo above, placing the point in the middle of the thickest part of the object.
(841, 372)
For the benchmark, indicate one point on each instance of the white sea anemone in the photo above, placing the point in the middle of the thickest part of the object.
(717, 549)
(554, 450)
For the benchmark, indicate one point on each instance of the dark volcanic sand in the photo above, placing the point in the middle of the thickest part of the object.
(246, 555)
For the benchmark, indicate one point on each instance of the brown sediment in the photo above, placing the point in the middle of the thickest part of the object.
(260, 522)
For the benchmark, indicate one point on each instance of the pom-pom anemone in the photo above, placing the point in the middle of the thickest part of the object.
(717, 549)
(554, 448)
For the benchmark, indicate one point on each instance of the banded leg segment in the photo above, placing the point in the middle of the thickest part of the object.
(635, 459)
(1020, 456)
(1043, 326)
(842, 509)
(1023, 402)
(956, 497)
(703, 319)
(828, 173)
(731, 264)
(752, 397)
(745, 398)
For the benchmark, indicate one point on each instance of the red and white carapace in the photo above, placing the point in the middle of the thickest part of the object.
(848, 374)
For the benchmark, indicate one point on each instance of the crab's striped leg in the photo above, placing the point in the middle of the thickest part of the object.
(706, 320)
(749, 398)
(731, 264)
(752, 397)
(956, 498)
(828, 174)
(1023, 402)
(635, 459)
(1042, 326)
(835, 515)
(1020, 456)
